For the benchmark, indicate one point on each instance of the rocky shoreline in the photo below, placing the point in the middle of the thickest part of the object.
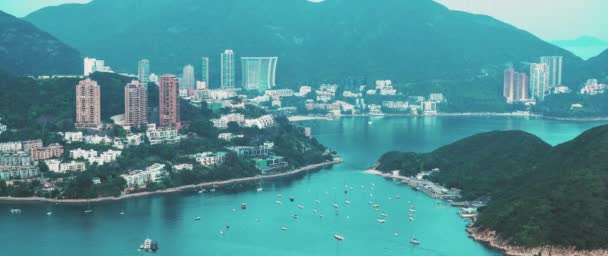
(175, 189)
(491, 239)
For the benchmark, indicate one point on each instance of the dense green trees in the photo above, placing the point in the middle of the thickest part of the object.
(540, 195)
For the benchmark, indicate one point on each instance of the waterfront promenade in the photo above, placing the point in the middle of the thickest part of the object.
(177, 189)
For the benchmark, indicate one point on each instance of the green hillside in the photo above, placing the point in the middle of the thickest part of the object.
(26, 50)
(540, 195)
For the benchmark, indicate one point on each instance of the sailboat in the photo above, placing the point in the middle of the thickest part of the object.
(88, 210)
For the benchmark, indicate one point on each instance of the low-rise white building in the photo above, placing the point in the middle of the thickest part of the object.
(96, 139)
(59, 167)
(81, 153)
(223, 121)
(135, 139)
(279, 93)
(261, 122)
(179, 167)
(209, 158)
(157, 136)
(71, 137)
(11, 147)
(227, 136)
(139, 178)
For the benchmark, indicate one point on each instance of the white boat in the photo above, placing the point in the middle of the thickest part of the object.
(200, 191)
(347, 202)
(410, 215)
(197, 218)
(339, 237)
(49, 213)
(396, 234)
(15, 211)
(300, 206)
(278, 202)
(336, 206)
(222, 232)
(381, 220)
(88, 211)
(397, 197)
(321, 215)
(284, 228)
(411, 218)
(314, 210)
(412, 210)
(317, 202)
(212, 190)
(414, 241)
(122, 212)
(384, 215)
(260, 189)
(376, 205)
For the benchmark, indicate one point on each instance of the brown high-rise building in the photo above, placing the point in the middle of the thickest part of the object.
(515, 86)
(169, 102)
(88, 105)
(136, 104)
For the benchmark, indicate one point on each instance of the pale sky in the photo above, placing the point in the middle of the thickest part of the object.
(548, 19)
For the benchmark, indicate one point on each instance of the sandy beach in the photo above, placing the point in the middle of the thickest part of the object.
(175, 189)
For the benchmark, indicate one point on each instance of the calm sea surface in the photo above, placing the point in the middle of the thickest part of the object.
(169, 219)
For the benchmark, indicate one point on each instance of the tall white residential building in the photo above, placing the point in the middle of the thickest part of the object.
(554, 66)
(228, 69)
(259, 73)
(143, 71)
(188, 80)
(92, 65)
(539, 80)
(205, 72)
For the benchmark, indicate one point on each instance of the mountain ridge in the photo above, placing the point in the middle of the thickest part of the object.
(400, 40)
(27, 50)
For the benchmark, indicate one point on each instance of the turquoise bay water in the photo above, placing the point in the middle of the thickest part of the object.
(169, 219)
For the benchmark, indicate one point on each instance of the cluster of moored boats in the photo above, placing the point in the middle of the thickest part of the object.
(338, 237)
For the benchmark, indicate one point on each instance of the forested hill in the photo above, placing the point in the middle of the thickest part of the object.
(540, 195)
(402, 40)
(26, 50)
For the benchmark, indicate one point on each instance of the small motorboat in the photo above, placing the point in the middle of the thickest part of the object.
(15, 211)
(122, 212)
(397, 197)
(317, 202)
(347, 202)
(291, 199)
(222, 232)
(49, 213)
(411, 218)
(88, 211)
(260, 189)
(338, 237)
(321, 215)
(278, 202)
(336, 206)
(149, 245)
(412, 210)
(396, 234)
(383, 214)
(284, 228)
(300, 206)
(381, 220)
(243, 206)
(414, 241)
(197, 218)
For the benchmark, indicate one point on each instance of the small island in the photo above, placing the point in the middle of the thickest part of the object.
(50, 152)
(532, 198)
